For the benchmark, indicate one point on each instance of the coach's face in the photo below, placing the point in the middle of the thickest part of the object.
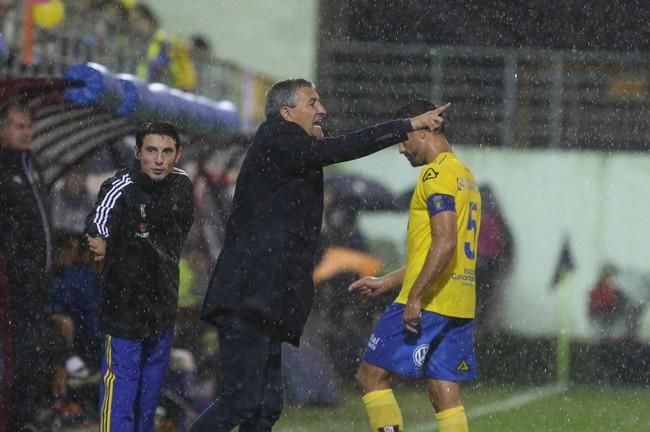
(158, 156)
(308, 112)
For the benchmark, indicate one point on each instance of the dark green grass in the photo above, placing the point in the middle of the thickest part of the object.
(593, 409)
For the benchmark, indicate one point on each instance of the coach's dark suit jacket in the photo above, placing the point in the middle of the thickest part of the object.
(265, 269)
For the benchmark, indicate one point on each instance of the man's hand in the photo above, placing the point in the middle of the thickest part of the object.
(97, 246)
(412, 315)
(431, 120)
(369, 287)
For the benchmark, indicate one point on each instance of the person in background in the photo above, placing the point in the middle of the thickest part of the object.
(71, 201)
(428, 330)
(33, 344)
(138, 228)
(495, 258)
(616, 305)
(74, 298)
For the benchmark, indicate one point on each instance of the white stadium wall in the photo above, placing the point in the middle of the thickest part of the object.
(598, 201)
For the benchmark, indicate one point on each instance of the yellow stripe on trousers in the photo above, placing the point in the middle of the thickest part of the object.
(109, 381)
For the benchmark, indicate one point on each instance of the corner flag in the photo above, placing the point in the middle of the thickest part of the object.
(564, 266)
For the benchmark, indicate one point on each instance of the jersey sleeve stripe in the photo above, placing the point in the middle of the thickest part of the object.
(108, 203)
(438, 203)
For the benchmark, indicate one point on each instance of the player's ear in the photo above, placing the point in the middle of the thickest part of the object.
(137, 152)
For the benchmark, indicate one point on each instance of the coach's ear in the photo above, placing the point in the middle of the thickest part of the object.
(286, 113)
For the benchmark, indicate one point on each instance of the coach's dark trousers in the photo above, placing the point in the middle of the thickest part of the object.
(251, 395)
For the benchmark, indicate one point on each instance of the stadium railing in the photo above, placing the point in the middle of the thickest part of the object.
(515, 98)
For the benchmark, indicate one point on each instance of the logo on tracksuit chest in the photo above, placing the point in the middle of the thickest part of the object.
(143, 226)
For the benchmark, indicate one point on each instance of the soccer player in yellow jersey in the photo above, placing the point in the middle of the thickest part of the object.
(428, 330)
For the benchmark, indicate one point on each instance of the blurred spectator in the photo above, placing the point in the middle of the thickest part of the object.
(340, 225)
(167, 59)
(25, 244)
(71, 201)
(74, 298)
(200, 48)
(202, 56)
(616, 304)
(194, 278)
(494, 262)
(145, 25)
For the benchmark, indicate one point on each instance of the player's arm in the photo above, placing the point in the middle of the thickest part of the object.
(100, 221)
(370, 287)
(440, 254)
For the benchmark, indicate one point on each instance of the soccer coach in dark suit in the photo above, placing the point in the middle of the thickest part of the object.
(261, 290)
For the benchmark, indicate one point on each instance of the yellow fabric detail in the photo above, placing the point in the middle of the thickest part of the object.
(383, 411)
(109, 381)
(452, 420)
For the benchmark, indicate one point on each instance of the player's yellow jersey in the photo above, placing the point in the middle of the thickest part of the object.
(445, 184)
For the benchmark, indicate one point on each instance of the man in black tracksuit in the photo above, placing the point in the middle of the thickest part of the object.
(138, 228)
(261, 290)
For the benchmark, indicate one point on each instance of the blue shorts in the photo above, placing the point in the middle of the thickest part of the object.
(442, 349)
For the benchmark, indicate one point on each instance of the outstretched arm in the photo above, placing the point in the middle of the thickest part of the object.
(311, 152)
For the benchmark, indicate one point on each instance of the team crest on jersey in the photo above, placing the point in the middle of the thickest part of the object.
(393, 428)
(419, 354)
(436, 200)
(463, 366)
(430, 174)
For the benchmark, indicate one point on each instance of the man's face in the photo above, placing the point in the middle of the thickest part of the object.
(157, 156)
(16, 130)
(308, 112)
(413, 147)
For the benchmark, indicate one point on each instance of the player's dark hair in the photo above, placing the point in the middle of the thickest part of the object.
(157, 128)
(415, 108)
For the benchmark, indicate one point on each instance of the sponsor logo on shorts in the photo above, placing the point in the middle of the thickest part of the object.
(372, 343)
(419, 354)
(463, 366)
(394, 428)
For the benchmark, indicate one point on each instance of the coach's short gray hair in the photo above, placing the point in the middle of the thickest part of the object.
(284, 93)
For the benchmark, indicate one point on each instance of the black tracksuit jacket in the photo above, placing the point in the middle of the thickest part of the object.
(145, 224)
(24, 235)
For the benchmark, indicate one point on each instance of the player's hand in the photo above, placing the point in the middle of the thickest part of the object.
(369, 287)
(412, 315)
(431, 120)
(97, 246)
